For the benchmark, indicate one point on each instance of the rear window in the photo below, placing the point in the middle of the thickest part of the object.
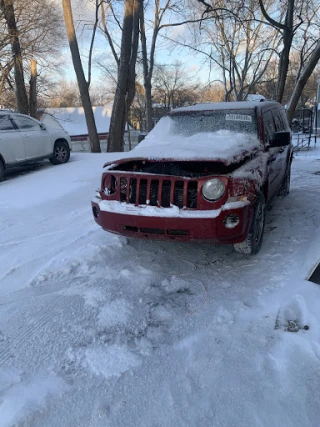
(26, 123)
(5, 123)
(243, 121)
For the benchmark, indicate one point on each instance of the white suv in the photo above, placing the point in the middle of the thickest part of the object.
(24, 140)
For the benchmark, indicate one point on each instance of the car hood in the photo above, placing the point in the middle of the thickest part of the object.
(223, 146)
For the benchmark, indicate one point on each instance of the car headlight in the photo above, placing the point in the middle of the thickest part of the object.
(213, 189)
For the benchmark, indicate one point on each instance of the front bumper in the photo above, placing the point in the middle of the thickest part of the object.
(173, 224)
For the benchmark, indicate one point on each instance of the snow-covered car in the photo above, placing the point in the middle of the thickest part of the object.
(205, 173)
(24, 140)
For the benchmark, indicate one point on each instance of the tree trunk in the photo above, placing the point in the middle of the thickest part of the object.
(33, 89)
(126, 75)
(82, 83)
(20, 89)
(147, 72)
(287, 37)
(148, 107)
(303, 79)
(284, 64)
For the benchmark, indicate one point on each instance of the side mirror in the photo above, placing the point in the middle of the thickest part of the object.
(43, 126)
(281, 139)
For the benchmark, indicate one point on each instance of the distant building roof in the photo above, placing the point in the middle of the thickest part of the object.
(73, 120)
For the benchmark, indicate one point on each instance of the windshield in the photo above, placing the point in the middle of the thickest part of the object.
(243, 121)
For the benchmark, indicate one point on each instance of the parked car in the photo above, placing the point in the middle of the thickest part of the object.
(24, 140)
(204, 173)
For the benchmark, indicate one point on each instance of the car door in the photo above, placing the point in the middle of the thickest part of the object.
(11, 141)
(274, 163)
(36, 139)
(282, 151)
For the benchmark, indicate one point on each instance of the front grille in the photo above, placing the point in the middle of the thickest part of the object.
(159, 192)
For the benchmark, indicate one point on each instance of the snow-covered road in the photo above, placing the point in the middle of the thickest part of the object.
(100, 330)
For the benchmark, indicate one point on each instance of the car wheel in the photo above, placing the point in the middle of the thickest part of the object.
(1, 171)
(252, 244)
(61, 153)
(285, 186)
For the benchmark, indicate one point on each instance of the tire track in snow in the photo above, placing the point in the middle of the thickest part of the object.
(20, 266)
(23, 332)
(41, 290)
(21, 336)
(50, 233)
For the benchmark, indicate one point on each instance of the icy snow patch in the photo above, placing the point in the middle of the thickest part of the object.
(110, 361)
(93, 296)
(293, 315)
(17, 399)
(116, 313)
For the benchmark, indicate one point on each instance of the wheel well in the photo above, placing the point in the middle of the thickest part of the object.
(61, 140)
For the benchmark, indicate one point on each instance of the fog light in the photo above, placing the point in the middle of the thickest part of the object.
(231, 221)
(96, 212)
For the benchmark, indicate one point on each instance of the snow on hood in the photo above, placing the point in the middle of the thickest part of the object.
(161, 144)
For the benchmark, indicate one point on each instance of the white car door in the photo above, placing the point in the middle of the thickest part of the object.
(36, 140)
(11, 142)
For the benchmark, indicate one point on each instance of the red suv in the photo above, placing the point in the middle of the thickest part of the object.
(204, 173)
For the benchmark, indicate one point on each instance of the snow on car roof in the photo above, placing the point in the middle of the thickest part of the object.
(221, 106)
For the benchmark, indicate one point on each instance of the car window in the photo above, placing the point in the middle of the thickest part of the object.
(277, 120)
(25, 123)
(6, 123)
(269, 126)
(188, 124)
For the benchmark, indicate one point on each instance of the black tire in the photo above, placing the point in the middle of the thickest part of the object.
(1, 170)
(61, 153)
(285, 186)
(252, 244)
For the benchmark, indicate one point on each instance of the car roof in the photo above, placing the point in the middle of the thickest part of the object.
(13, 113)
(214, 106)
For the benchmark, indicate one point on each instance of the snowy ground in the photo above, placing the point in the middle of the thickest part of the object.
(99, 330)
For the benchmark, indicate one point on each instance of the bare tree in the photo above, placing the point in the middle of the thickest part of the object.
(287, 29)
(171, 89)
(20, 88)
(294, 21)
(302, 80)
(125, 89)
(176, 10)
(40, 37)
(82, 82)
(33, 89)
(301, 23)
(238, 42)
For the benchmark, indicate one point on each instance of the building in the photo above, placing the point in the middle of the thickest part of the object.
(73, 121)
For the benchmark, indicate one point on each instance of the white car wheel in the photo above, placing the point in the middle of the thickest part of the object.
(61, 153)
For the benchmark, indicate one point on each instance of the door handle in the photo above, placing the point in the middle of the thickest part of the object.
(26, 135)
(281, 150)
